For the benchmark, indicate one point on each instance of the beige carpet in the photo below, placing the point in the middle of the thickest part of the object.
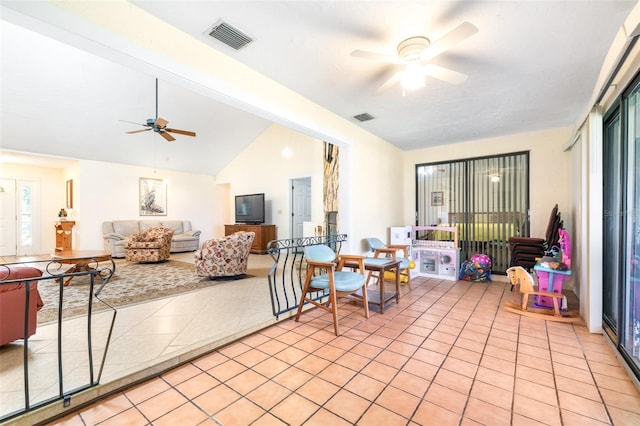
(132, 283)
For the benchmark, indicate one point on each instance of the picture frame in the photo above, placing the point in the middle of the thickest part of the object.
(153, 197)
(70, 193)
(437, 198)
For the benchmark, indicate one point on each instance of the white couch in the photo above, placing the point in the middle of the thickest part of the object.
(116, 234)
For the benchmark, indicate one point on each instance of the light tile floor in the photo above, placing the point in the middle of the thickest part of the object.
(147, 339)
(447, 354)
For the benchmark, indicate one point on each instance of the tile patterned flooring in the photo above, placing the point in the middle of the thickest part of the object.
(148, 338)
(447, 354)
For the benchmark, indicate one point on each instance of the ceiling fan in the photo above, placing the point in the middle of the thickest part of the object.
(159, 125)
(414, 53)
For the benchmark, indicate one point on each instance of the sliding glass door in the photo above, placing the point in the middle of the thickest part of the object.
(486, 198)
(621, 226)
(630, 265)
(612, 220)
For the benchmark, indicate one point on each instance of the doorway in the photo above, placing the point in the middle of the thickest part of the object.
(300, 205)
(19, 217)
(486, 198)
(8, 218)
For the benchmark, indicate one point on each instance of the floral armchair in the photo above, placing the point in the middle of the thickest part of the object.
(225, 257)
(150, 245)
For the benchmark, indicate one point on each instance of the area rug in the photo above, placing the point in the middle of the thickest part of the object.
(132, 283)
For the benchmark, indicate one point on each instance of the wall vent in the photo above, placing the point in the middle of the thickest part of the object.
(230, 36)
(364, 117)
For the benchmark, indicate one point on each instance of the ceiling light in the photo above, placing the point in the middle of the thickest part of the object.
(495, 178)
(412, 77)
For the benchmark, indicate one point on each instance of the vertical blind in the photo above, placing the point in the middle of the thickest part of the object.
(486, 198)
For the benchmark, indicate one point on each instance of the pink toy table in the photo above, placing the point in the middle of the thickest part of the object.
(551, 281)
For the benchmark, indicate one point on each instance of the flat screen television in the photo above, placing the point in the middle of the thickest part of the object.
(250, 208)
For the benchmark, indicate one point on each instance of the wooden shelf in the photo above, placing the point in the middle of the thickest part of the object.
(64, 235)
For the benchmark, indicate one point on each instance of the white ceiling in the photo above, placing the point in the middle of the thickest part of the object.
(61, 101)
(532, 65)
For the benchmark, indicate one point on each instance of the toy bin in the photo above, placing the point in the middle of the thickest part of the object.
(550, 281)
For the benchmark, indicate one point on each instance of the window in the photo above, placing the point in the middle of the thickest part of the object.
(28, 216)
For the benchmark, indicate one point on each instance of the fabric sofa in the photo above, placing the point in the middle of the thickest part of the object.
(226, 257)
(116, 234)
(13, 300)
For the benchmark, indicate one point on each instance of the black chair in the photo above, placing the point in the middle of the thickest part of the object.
(525, 251)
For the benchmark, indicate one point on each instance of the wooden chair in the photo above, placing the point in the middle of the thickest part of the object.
(325, 273)
(523, 282)
(381, 249)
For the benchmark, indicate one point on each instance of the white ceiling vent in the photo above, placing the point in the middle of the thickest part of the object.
(364, 117)
(230, 36)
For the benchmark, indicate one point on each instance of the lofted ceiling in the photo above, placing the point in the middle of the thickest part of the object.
(62, 101)
(532, 65)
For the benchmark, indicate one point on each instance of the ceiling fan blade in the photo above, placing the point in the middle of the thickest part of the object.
(444, 74)
(453, 37)
(161, 122)
(395, 78)
(167, 136)
(380, 57)
(133, 122)
(138, 131)
(181, 132)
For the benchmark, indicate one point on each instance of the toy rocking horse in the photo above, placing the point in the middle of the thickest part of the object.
(524, 284)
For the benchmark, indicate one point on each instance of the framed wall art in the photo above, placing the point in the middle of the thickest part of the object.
(70, 194)
(153, 197)
(437, 198)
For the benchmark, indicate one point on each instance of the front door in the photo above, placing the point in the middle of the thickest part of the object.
(8, 218)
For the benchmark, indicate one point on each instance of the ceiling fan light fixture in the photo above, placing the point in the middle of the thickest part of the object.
(412, 77)
(412, 49)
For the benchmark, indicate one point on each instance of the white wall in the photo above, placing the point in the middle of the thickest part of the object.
(549, 168)
(262, 167)
(108, 191)
(379, 196)
(371, 196)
